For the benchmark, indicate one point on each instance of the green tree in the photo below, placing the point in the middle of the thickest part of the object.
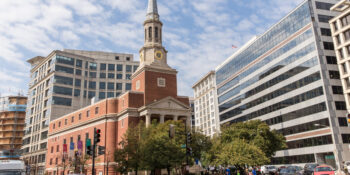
(129, 156)
(254, 132)
(159, 150)
(249, 143)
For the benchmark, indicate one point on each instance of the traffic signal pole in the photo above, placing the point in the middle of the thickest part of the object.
(93, 154)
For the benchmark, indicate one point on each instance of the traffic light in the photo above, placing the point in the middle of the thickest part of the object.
(97, 136)
(88, 147)
(189, 138)
(101, 150)
(348, 116)
(189, 151)
(171, 131)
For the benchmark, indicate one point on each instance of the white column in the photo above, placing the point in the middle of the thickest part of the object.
(148, 119)
(161, 118)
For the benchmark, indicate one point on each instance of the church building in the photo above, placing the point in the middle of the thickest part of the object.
(153, 97)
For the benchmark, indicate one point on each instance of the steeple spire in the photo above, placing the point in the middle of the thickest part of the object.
(152, 10)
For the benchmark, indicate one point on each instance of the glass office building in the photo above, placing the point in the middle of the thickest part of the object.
(66, 81)
(288, 77)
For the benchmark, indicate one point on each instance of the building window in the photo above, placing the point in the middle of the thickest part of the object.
(54, 126)
(345, 70)
(102, 85)
(110, 86)
(111, 75)
(161, 82)
(347, 35)
(51, 149)
(128, 86)
(62, 101)
(119, 67)
(103, 66)
(346, 138)
(59, 124)
(72, 120)
(102, 95)
(338, 39)
(340, 105)
(92, 85)
(65, 121)
(150, 33)
(119, 86)
(88, 113)
(102, 75)
(128, 68)
(128, 76)
(116, 57)
(337, 89)
(342, 122)
(79, 116)
(331, 60)
(345, 20)
(57, 148)
(127, 58)
(111, 67)
(324, 18)
(110, 94)
(328, 45)
(326, 32)
(76, 92)
(334, 74)
(96, 110)
(119, 76)
(323, 5)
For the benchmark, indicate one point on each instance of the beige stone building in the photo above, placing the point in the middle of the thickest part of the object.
(205, 105)
(340, 27)
(12, 115)
(63, 82)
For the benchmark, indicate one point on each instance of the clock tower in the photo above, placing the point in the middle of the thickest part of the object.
(154, 77)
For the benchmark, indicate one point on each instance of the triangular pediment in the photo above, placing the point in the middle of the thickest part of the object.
(168, 103)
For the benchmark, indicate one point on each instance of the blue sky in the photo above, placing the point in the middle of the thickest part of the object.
(197, 33)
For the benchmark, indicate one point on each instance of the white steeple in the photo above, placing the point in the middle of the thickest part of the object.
(152, 10)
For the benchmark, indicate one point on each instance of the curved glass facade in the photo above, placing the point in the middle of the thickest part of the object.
(288, 26)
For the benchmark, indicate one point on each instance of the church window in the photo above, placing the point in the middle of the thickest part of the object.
(161, 82)
(145, 33)
(156, 32)
(150, 33)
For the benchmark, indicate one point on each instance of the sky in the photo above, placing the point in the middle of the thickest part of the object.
(198, 34)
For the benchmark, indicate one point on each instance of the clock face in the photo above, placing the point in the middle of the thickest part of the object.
(158, 55)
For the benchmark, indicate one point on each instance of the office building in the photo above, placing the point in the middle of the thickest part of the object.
(288, 77)
(12, 115)
(340, 27)
(153, 97)
(63, 82)
(205, 104)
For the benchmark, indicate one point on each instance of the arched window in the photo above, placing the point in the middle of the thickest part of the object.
(145, 34)
(156, 32)
(150, 33)
(160, 34)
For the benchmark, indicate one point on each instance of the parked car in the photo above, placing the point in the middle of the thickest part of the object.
(279, 169)
(283, 171)
(309, 168)
(295, 170)
(268, 169)
(324, 170)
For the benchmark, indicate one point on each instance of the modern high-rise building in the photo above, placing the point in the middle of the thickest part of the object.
(340, 27)
(12, 115)
(205, 104)
(288, 77)
(63, 82)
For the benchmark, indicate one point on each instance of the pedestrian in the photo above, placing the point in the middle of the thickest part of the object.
(228, 171)
(254, 171)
